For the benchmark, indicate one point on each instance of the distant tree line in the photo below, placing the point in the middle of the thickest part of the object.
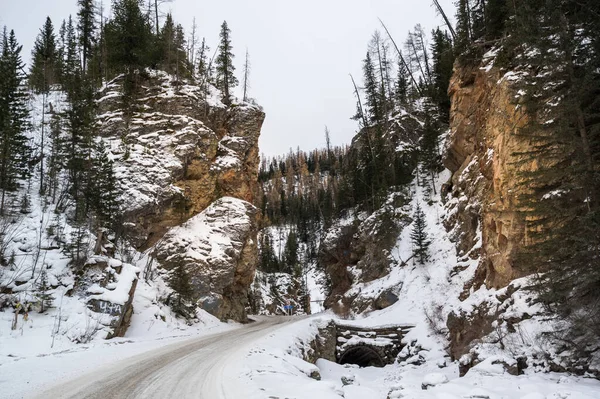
(307, 191)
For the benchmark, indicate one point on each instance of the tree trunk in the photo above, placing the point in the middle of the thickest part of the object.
(42, 138)
(446, 20)
(402, 58)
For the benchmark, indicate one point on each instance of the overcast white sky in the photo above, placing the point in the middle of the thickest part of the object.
(301, 52)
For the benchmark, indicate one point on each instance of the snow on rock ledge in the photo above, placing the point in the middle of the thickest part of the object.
(218, 249)
(176, 150)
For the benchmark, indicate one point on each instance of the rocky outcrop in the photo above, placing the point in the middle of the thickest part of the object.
(485, 156)
(357, 248)
(179, 154)
(359, 251)
(218, 250)
(177, 150)
(487, 213)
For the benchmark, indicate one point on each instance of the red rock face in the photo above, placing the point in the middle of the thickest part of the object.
(483, 153)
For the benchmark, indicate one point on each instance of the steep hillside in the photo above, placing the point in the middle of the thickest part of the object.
(318, 216)
(186, 170)
(511, 360)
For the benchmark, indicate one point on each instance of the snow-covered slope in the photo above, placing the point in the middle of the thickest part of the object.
(83, 306)
(427, 294)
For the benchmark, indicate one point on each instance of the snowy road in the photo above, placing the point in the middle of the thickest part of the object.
(198, 368)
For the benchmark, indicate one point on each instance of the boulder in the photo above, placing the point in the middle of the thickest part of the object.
(218, 250)
(386, 299)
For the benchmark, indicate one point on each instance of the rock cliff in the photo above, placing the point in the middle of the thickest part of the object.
(179, 155)
(177, 151)
(485, 195)
(358, 248)
(483, 154)
(218, 249)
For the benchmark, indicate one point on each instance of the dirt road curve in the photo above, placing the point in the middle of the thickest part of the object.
(192, 369)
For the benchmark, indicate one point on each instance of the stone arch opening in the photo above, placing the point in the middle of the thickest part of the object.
(363, 356)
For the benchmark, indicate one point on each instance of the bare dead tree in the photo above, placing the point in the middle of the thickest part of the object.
(420, 35)
(376, 47)
(104, 52)
(359, 102)
(412, 77)
(328, 143)
(386, 60)
(417, 50)
(247, 67)
(157, 4)
(440, 11)
(192, 45)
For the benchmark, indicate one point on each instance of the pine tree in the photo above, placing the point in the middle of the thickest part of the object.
(430, 157)
(181, 60)
(43, 292)
(128, 37)
(268, 259)
(14, 117)
(463, 26)
(226, 79)
(418, 236)
(204, 67)
(61, 51)
(44, 68)
(102, 192)
(71, 63)
(443, 64)
(496, 14)
(55, 161)
(372, 94)
(87, 28)
(478, 20)
(173, 58)
(167, 44)
(77, 146)
(401, 85)
(79, 244)
(291, 252)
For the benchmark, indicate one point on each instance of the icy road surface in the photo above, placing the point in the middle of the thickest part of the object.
(196, 368)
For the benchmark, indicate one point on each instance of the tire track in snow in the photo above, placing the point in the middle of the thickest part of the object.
(192, 369)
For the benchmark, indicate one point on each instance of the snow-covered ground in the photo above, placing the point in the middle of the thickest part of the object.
(274, 369)
(66, 341)
(272, 366)
(31, 365)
